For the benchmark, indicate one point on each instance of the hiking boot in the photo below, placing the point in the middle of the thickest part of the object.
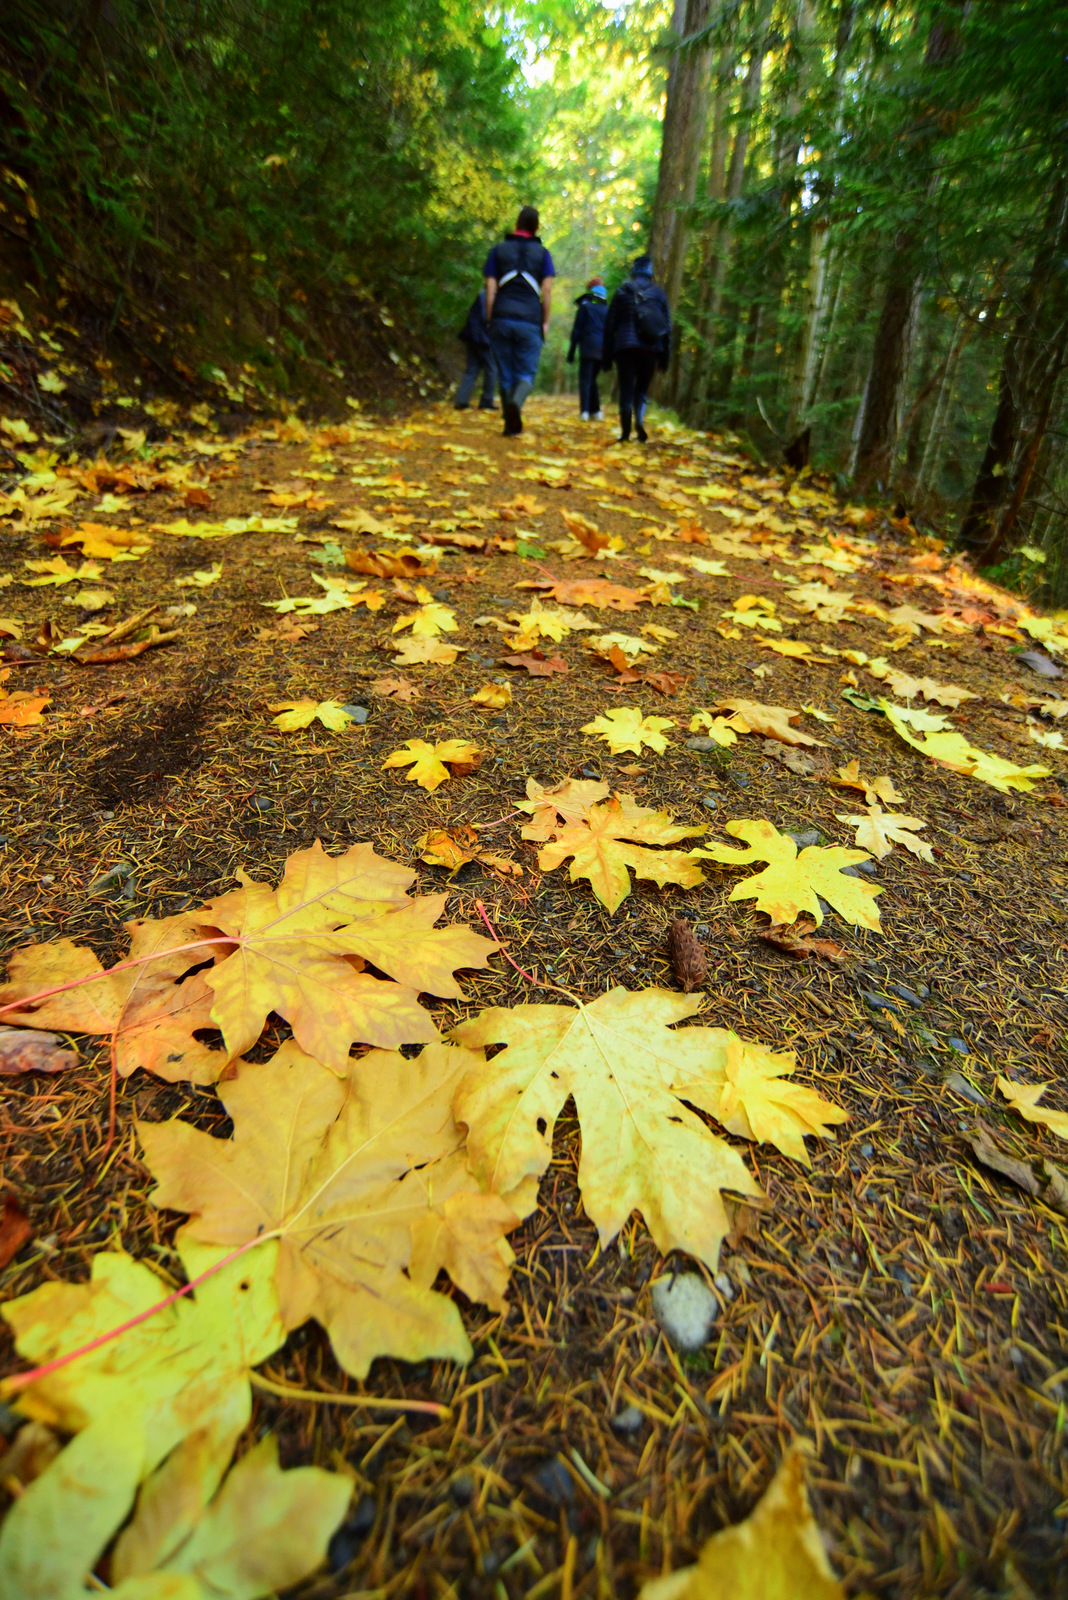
(460, 405)
(513, 420)
(643, 437)
(487, 405)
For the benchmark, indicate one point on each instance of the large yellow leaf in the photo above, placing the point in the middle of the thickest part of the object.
(952, 749)
(1024, 1098)
(613, 837)
(775, 1554)
(624, 728)
(428, 620)
(130, 1402)
(774, 722)
(419, 650)
(755, 1102)
(430, 763)
(345, 1173)
(264, 1530)
(792, 883)
(902, 683)
(293, 945)
(568, 802)
(642, 1147)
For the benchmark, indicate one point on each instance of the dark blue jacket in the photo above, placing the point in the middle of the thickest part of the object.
(474, 331)
(587, 330)
(621, 326)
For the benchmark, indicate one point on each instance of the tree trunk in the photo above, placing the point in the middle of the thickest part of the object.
(1031, 368)
(716, 189)
(680, 150)
(933, 444)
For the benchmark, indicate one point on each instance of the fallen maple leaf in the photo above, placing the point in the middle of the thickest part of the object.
(793, 883)
(421, 650)
(428, 620)
(103, 543)
(774, 722)
(596, 592)
(627, 645)
(586, 532)
(568, 801)
(22, 709)
(25, 1050)
(15, 1229)
(428, 761)
(789, 758)
(608, 839)
(297, 714)
(666, 683)
(494, 695)
(873, 789)
(902, 683)
(58, 571)
(795, 649)
(394, 688)
(777, 1553)
(757, 1104)
(627, 729)
(723, 730)
(633, 1078)
(952, 749)
(795, 941)
(365, 1184)
(1024, 1098)
(537, 664)
(546, 622)
(880, 830)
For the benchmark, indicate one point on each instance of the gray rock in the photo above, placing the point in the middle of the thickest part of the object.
(629, 1420)
(959, 1084)
(701, 742)
(878, 1002)
(866, 1149)
(260, 802)
(590, 772)
(442, 595)
(685, 1308)
(710, 802)
(357, 713)
(907, 995)
(1040, 663)
(804, 837)
(866, 869)
(740, 780)
(554, 1481)
(959, 1046)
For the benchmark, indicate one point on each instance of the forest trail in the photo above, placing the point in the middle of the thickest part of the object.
(897, 1303)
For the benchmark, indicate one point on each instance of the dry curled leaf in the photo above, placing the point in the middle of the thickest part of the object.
(494, 695)
(794, 940)
(25, 1050)
(1042, 1178)
(537, 664)
(392, 687)
(773, 722)
(453, 848)
(875, 790)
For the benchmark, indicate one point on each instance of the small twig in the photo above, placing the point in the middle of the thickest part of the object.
(430, 1408)
(542, 983)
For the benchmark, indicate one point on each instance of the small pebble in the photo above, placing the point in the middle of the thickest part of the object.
(1015, 1356)
(357, 713)
(866, 869)
(462, 1488)
(866, 1149)
(260, 802)
(590, 772)
(905, 994)
(804, 838)
(710, 802)
(967, 1091)
(554, 1481)
(346, 1542)
(740, 780)
(959, 1046)
(686, 1309)
(629, 1420)
(877, 1003)
(702, 742)
(442, 594)
(724, 1285)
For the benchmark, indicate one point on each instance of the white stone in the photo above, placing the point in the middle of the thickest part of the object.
(685, 1308)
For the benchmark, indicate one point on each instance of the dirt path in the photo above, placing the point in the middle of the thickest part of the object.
(898, 1304)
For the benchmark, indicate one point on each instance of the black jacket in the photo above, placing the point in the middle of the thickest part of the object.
(587, 330)
(621, 326)
(521, 265)
(474, 331)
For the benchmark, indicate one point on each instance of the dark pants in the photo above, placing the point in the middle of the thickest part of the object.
(636, 369)
(517, 349)
(589, 395)
(478, 361)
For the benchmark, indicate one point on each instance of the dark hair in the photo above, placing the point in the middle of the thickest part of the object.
(527, 221)
(642, 265)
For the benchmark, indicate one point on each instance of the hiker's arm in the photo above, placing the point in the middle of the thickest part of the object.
(491, 295)
(546, 304)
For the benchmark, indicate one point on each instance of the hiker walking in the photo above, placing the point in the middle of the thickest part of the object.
(637, 337)
(587, 336)
(519, 287)
(475, 335)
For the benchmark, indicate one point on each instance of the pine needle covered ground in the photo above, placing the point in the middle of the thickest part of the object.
(898, 1303)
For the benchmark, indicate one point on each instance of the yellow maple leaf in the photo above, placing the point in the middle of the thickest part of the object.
(724, 730)
(903, 683)
(873, 789)
(756, 1103)
(878, 831)
(355, 1178)
(494, 695)
(642, 1147)
(791, 883)
(586, 532)
(624, 728)
(297, 714)
(58, 570)
(1024, 1098)
(104, 543)
(547, 622)
(567, 801)
(951, 749)
(419, 650)
(202, 578)
(753, 619)
(633, 649)
(773, 722)
(453, 848)
(428, 761)
(794, 649)
(428, 620)
(775, 1554)
(610, 838)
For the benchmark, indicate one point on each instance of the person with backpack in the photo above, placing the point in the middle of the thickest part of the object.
(637, 337)
(519, 276)
(587, 336)
(475, 335)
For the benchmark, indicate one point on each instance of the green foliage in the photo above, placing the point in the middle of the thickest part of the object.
(309, 157)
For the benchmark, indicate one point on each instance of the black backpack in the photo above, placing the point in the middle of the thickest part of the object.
(650, 314)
